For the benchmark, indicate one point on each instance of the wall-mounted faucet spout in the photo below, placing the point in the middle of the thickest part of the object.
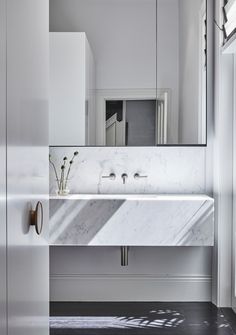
(111, 176)
(124, 176)
(138, 176)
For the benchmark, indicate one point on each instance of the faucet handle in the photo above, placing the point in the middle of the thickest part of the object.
(137, 176)
(111, 176)
(124, 176)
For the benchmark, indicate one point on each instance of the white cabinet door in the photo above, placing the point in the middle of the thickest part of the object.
(27, 164)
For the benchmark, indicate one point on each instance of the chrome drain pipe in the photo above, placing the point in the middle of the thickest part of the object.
(124, 255)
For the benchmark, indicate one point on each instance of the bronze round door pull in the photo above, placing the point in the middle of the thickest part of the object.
(36, 217)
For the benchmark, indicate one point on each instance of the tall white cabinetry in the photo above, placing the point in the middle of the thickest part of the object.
(72, 90)
(24, 97)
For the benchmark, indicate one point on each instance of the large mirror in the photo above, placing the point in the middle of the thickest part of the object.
(128, 72)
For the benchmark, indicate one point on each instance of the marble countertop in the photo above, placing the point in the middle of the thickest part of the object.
(159, 197)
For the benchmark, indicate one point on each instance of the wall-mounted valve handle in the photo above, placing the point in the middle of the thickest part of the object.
(36, 217)
(111, 176)
(124, 177)
(137, 176)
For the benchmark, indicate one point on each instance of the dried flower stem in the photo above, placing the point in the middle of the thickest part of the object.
(62, 181)
(55, 171)
(69, 168)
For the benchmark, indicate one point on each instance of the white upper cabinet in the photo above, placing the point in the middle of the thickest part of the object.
(72, 90)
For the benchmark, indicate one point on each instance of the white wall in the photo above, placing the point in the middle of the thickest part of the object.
(189, 20)
(168, 60)
(122, 34)
(153, 273)
(223, 172)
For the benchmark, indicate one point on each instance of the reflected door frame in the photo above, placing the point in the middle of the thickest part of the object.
(124, 94)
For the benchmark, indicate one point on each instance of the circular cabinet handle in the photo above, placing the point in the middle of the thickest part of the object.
(36, 218)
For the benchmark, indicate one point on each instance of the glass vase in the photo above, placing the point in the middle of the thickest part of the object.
(63, 188)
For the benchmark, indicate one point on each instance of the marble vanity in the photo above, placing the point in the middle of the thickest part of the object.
(132, 220)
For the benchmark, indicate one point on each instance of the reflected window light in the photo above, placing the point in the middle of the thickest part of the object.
(229, 25)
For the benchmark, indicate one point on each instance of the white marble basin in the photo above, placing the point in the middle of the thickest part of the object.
(132, 220)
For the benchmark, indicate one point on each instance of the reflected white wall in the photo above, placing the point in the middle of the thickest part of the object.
(189, 52)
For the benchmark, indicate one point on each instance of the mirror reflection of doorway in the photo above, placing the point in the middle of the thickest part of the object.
(135, 122)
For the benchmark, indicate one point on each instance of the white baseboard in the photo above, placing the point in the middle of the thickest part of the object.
(91, 287)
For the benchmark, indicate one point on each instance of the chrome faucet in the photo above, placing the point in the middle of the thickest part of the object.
(124, 176)
(111, 176)
(138, 176)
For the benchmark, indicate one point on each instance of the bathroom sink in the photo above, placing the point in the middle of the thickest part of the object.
(132, 220)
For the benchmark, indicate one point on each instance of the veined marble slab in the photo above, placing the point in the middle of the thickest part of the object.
(169, 169)
(132, 220)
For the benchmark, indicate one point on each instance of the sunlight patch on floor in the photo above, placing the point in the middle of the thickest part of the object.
(106, 322)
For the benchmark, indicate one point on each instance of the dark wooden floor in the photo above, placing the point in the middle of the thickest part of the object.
(141, 318)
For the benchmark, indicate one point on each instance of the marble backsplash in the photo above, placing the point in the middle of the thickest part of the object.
(169, 169)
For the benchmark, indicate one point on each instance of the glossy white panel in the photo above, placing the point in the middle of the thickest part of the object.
(3, 295)
(27, 173)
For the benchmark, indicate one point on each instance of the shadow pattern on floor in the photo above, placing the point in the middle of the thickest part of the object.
(140, 318)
